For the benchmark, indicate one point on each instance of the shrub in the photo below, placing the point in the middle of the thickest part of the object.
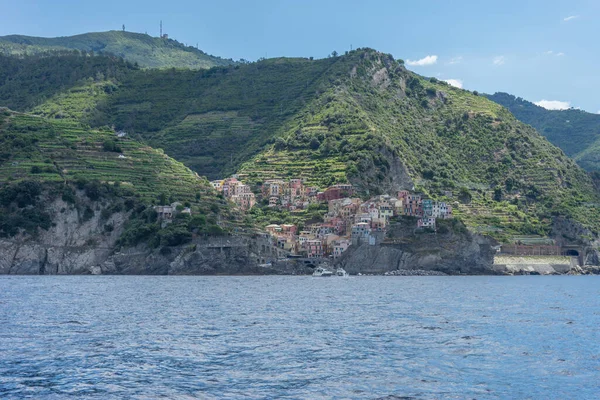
(68, 195)
(464, 196)
(137, 231)
(175, 235)
(314, 143)
(111, 145)
(87, 214)
(24, 193)
(93, 190)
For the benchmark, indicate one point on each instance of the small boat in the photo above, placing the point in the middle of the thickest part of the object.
(341, 272)
(320, 271)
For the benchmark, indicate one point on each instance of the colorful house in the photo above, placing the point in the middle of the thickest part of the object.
(427, 207)
(340, 246)
(314, 248)
(218, 185)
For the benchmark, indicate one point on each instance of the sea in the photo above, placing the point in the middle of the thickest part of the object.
(299, 337)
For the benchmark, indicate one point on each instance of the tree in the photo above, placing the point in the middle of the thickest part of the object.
(123, 27)
(314, 143)
(498, 194)
(334, 53)
(110, 145)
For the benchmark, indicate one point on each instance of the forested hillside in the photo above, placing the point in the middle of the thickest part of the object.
(361, 117)
(576, 132)
(29, 81)
(142, 49)
(59, 158)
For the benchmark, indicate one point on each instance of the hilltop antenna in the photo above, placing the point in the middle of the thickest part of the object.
(161, 28)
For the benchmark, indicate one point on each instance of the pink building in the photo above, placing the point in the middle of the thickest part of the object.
(289, 230)
(244, 200)
(403, 194)
(412, 205)
(331, 193)
(314, 248)
(229, 186)
(295, 183)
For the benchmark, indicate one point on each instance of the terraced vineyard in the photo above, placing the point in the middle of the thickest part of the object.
(224, 132)
(60, 150)
(315, 170)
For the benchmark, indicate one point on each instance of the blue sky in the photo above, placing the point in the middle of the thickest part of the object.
(540, 50)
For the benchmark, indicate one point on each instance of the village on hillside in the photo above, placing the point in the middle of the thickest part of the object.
(349, 220)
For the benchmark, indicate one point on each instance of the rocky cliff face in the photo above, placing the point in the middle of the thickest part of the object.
(82, 243)
(76, 241)
(450, 253)
(371, 180)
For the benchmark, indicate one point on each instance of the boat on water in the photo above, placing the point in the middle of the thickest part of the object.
(341, 272)
(320, 271)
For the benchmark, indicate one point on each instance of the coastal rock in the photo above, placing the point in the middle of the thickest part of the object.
(451, 253)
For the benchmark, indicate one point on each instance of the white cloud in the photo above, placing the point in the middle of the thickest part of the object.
(455, 82)
(560, 54)
(552, 53)
(553, 104)
(549, 52)
(429, 60)
(498, 60)
(455, 60)
(570, 18)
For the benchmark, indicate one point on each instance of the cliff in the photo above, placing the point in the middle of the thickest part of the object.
(78, 245)
(454, 252)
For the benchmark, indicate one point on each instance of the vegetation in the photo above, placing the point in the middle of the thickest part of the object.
(29, 81)
(576, 132)
(142, 49)
(361, 117)
(263, 215)
(46, 159)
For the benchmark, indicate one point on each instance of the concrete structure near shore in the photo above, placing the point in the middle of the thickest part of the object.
(542, 265)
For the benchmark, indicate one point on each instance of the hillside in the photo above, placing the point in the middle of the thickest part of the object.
(30, 81)
(95, 169)
(361, 117)
(576, 132)
(143, 49)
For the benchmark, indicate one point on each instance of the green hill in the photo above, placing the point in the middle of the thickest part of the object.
(143, 49)
(30, 81)
(361, 117)
(61, 157)
(576, 132)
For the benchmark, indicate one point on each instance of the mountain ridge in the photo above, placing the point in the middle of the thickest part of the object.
(143, 49)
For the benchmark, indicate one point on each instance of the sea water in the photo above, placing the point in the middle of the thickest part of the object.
(269, 337)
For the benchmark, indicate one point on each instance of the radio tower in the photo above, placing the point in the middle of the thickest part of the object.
(161, 28)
